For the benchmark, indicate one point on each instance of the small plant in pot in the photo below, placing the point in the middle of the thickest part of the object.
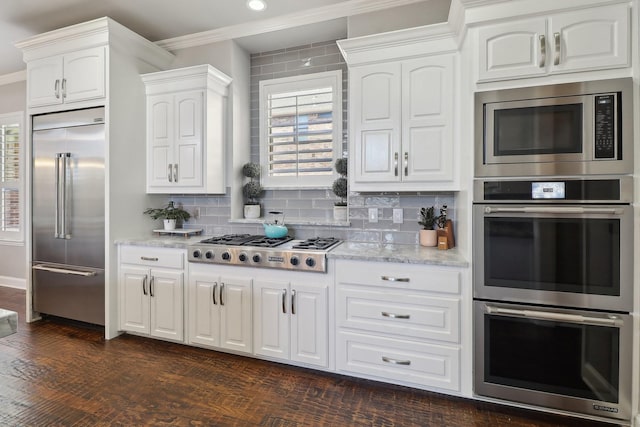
(340, 189)
(428, 236)
(170, 215)
(252, 190)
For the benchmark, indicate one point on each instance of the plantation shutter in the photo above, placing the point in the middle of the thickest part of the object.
(10, 177)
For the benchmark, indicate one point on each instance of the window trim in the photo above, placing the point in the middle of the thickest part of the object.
(16, 237)
(293, 83)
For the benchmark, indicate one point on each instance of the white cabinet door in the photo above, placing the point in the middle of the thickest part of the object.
(134, 299)
(166, 290)
(44, 80)
(271, 310)
(84, 75)
(427, 114)
(235, 313)
(160, 140)
(310, 324)
(513, 49)
(204, 310)
(590, 39)
(376, 122)
(188, 139)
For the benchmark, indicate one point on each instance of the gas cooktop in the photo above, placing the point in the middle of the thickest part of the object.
(260, 251)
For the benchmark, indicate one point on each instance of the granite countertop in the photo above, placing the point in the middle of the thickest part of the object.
(410, 254)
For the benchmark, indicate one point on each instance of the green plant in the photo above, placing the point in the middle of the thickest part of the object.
(252, 189)
(340, 185)
(168, 212)
(427, 218)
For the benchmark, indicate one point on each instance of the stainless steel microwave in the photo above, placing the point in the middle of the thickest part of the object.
(567, 129)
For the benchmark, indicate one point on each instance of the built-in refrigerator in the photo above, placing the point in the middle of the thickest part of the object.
(68, 214)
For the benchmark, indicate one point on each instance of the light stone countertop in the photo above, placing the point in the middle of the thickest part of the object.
(410, 254)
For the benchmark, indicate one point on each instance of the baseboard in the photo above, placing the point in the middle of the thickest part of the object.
(13, 282)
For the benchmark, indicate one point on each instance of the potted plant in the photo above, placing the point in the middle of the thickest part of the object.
(428, 236)
(340, 189)
(252, 190)
(170, 214)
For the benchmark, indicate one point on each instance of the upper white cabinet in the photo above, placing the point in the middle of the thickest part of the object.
(186, 130)
(73, 77)
(402, 98)
(582, 40)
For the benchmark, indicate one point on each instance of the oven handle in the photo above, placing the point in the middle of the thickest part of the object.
(553, 210)
(545, 315)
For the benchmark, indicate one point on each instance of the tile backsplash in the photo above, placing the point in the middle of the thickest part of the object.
(314, 206)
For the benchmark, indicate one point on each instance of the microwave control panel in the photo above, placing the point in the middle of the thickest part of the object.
(605, 127)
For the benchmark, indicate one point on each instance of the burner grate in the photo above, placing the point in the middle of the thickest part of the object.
(317, 243)
(230, 239)
(267, 242)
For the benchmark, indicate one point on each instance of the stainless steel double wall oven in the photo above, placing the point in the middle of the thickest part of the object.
(553, 249)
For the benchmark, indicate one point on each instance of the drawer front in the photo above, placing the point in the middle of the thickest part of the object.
(405, 313)
(399, 361)
(399, 276)
(152, 257)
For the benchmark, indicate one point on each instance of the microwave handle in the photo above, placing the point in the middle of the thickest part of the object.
(553, 210)
(560, 317)
(543, 51)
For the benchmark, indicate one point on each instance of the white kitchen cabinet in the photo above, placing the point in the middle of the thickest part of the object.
(581, 40)
(399, 323)
(65, 79)
(219, 310)
(290, 321)
(151, 282)
(186, 136)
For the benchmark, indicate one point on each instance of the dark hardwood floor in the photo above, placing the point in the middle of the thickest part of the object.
(55, 373)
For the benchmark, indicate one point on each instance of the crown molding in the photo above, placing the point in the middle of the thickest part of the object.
(291, 20)
(16, 77)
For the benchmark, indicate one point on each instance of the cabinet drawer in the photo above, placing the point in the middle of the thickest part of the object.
(399, 312)
(152, 257)
(399, 276)
(399, 361)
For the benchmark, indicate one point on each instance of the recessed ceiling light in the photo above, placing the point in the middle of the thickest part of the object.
(256, 5)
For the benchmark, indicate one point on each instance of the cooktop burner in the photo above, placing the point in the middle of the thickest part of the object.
(268, 242)
(229, 239)
(317, 243)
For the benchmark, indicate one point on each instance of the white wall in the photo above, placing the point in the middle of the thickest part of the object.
(13, 257)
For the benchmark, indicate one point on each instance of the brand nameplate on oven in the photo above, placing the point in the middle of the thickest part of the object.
(547, 190)
(272, 258)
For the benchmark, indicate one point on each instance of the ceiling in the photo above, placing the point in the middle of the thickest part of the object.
(165, 20)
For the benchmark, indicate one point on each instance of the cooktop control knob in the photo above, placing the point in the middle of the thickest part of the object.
(257, 258)
(197, 253)
(226, 256)
(295, 260)
(310, 262)
(242, 257)
(208, 255)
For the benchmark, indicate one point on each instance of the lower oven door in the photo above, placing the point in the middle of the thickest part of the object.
(563, 255)
(570, 360)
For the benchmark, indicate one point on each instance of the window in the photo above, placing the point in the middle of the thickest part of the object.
(300, 130)
(11, 177)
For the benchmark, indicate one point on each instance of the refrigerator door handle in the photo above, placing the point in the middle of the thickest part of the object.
(56, 231)
(44, 267)
(61, 184)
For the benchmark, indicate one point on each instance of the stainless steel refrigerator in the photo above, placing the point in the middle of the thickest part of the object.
(68, 214)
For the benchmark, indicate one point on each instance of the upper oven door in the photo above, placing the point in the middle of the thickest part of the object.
(567, 255)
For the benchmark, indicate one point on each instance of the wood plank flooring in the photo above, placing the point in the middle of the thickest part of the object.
(55, 373)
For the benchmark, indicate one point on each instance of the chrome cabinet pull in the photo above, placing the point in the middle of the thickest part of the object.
(559, 317)
(151, 282)
(406, 163)
(394, 279)
(175, 172)
(144, 285)
(293, 301)
(284, 301)
(170, 175)
(395, 316)
(56, 88)
(221, 292)
(146, 258)
(64, 88)
(396, 361)
(543, 51)
(213, 293)
(556, 40)
(395, 163)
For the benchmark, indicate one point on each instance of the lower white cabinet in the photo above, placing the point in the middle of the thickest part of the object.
(290, 321)
(219, 310)
(399, 323)
(151, 283)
